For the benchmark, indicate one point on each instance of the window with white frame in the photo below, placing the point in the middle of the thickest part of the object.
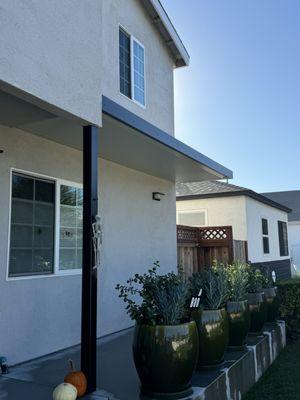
(46, 226)
(265, 235)
(195, 218)
(70, 242)
(283, 239)
(131, 67)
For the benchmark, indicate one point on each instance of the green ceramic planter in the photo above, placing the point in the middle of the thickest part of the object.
(165, 358)
(239, 323)
(258, 312)
(213, 333)
(272, 303)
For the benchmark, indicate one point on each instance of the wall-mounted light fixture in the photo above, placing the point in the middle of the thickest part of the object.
(157, 196)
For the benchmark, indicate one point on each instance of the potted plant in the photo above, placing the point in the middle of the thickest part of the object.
(165, 345)
(237, 306)
(255, 297)
(270, 293)
(211, 318)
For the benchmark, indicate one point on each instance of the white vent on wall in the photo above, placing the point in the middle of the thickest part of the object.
(192, 218)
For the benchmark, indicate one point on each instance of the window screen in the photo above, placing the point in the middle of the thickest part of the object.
(265, 233)
(139, 73)
(194, 218)
(283, 239)
(70, 245)
(124, 63)
(264, 223)
(32, 226)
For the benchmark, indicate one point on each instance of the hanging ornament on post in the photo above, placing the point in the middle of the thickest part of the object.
(97, 240)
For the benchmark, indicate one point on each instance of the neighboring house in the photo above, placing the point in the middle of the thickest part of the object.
(254, 219)
(291, 199)
(106, 66)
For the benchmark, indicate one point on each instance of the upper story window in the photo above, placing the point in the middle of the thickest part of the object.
(132, 67)
(46, 226)
(283, 238)
(265, 235)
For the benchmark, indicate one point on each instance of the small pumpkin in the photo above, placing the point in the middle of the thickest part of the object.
(65, 391)
(77, 379)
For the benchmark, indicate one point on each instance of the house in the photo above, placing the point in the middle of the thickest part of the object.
(291, 199)
(254, 219)
(86, 129)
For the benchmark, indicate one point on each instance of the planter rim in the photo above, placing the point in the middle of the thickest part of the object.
(214, 310)
(270, 289)
(168, 326)
(237, 302)
(256, 293)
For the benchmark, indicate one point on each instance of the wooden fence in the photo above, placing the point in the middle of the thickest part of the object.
(198, 248)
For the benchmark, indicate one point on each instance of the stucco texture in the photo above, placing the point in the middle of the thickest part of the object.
(130, 14)
(255, 212)
(42, 315)
(222, 211)
(244, 215)
(52, 51)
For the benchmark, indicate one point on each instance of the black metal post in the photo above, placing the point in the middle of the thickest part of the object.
(89, 274)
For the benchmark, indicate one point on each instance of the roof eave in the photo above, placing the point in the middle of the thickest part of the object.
(249, 193)
(171, 38)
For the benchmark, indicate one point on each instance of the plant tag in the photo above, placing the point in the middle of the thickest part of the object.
(195, 302)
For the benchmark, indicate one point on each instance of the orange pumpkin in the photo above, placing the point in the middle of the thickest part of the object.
(77, 379)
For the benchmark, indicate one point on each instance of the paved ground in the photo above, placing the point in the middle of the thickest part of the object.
(35, 380)
(118, 379)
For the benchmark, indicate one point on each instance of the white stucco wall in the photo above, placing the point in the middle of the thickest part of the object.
(130, 14)
(221, 211)
(52, 50)
(42, 315)
(255, 212)
(66, 53)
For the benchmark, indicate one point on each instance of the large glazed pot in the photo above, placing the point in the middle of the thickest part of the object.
(239, 323)
(258, 312)
(272, 302)
(213, 336)
(165, 358)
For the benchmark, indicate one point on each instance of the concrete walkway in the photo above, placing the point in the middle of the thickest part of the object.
(36, 380)
(118, 379)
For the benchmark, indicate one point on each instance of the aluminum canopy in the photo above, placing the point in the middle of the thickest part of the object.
(124, 139)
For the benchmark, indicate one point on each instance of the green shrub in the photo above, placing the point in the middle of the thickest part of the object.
(154, 299)
(289, 297)
(256, 280)
(238, 281)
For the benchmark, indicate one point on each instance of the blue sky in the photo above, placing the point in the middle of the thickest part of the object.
(239, 100)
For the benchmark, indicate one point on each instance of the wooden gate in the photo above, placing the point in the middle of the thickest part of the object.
(200, 247)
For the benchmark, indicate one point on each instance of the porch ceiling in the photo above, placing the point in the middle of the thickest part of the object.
(124, 139)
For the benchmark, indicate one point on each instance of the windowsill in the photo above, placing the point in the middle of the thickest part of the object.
(55, 275)
(133, 101)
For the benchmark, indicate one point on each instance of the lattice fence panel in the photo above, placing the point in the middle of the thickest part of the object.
(214, 233)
